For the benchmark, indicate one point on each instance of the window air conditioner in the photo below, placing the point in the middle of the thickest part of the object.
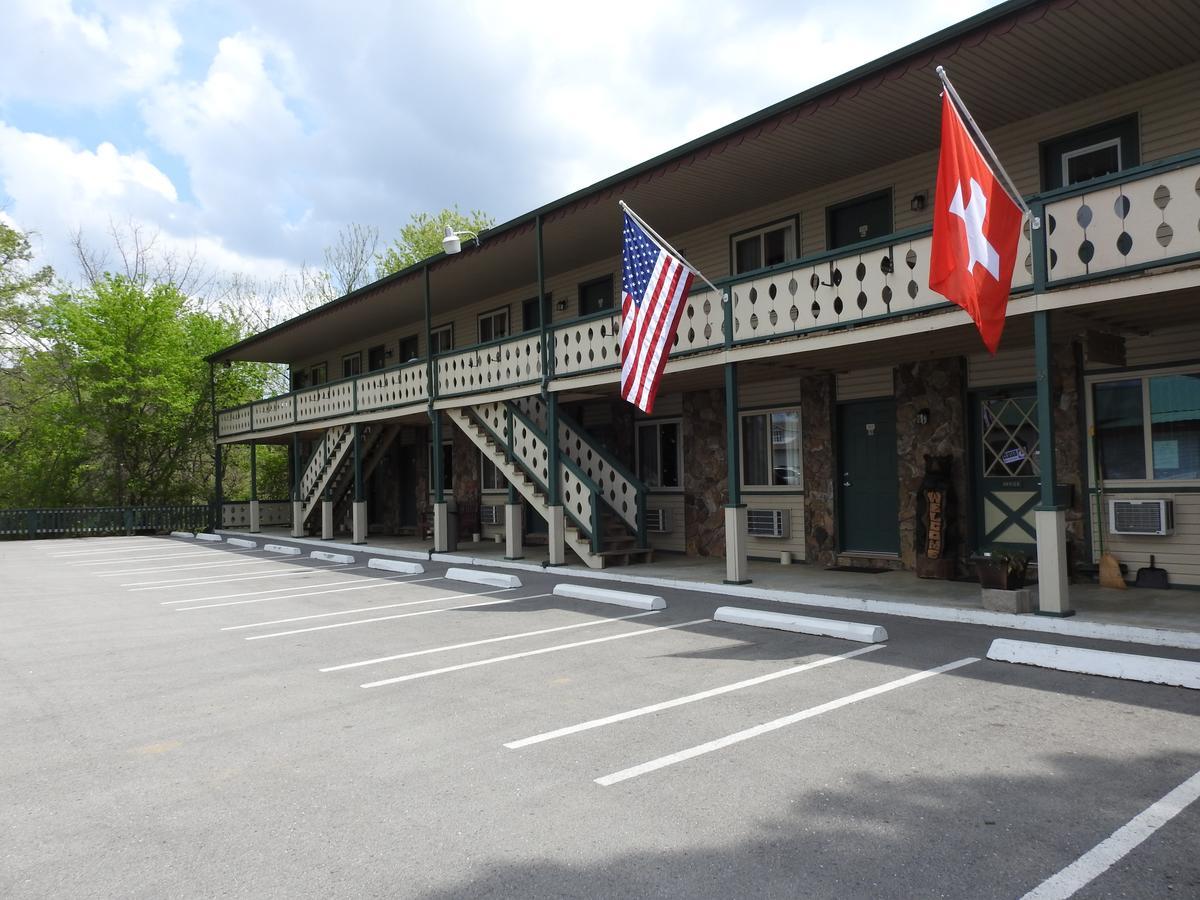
(768, 523)
(1141, 516)
(657, 520)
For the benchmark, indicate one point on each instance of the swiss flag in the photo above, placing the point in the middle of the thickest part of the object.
(976, 226)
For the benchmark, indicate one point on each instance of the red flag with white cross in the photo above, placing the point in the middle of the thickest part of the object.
(976, 227)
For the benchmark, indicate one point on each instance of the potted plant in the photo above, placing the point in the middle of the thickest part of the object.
(1001, 569)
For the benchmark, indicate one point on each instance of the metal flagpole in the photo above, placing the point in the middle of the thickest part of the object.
(1034, 221)
(658, 237)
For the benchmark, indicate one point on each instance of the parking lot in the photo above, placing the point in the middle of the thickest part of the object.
(191, 719)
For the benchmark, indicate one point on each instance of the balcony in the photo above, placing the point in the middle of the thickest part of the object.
(1119, 226)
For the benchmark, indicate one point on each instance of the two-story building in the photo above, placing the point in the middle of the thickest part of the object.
(477, 391)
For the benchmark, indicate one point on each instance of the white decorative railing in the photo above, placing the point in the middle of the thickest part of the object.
(234, 421)
(489, 366)
(274, 412)
(334, 399)
(587, 345)
(1149, 219)
(393, 387)
(324, 452)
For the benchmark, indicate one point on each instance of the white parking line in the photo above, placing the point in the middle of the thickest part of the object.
(133, 548)
(491, 640)
(499, 659)
(690, 698)
(128, 559)
(371, 585)
(1101, 858)
(347, 612)
(234, 576)
(424, 612)
(327, 584)
(737, 737)
(238, 559)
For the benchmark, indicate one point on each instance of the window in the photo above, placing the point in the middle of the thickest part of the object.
(493, 325)
(596, 295)
(859, 220)
(410, 349)
(376, 358)
(771, 449)
(1148, 427)
(490, 476)
(352, 365)
(659, 454)
(531, 316)
(447, 466)
(441, 339)
(299, 380)
(320, 374)
(1091, 153)
(769, 245)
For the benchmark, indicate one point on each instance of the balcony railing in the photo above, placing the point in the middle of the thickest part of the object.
(1125, 223)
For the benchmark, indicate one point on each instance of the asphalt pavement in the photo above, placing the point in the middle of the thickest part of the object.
(192, 720)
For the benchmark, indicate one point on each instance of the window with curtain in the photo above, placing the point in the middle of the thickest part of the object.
(771, 449)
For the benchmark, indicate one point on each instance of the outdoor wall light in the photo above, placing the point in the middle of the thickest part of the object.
(923, 417)
(917, 203)
(452, 242)
(560, 305)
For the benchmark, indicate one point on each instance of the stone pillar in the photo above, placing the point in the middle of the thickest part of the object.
(326, 519)
(514, 530)
(359, 535)
(254, 517)
(817, 417)
(297, 519)
(705, 473)
(737, 566)
(558, 536)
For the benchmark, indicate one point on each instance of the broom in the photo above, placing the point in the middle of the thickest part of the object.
(1110, 567)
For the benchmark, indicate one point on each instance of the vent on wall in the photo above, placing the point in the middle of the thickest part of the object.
(1141, 516)
(491, 515)
(657, 520)
(768, 523)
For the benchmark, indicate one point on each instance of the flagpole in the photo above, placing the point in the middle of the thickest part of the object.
(658, 237)
(1034, 221)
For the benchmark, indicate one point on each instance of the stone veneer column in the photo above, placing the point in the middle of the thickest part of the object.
(818, 462)
(937, 385)
(704, 472)
(1068, 438)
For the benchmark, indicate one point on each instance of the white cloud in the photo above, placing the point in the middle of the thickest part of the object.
(54, 53)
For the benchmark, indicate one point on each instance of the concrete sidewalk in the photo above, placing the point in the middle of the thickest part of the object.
(1126, 613)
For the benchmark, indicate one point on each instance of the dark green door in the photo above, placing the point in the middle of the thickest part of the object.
(869, 491)
(1006, 460)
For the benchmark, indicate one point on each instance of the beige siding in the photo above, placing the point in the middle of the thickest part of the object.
(1005, 368)
(769, 547)
(865, 384)
(1164, 347)
(675, 538)
(783, 392)
(1178, 553)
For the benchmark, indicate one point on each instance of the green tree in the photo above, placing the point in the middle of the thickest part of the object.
(422, 237)
(19, 283)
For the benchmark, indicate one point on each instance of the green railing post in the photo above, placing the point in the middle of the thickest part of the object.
(1047, 467)
(127, 515)
(31, 523)
(1039, 247)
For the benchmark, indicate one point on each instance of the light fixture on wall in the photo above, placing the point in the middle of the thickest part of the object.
(452, 242)
(923, 416)
(917, 203)
(560, 305)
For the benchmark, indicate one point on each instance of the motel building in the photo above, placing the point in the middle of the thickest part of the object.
(803, 417)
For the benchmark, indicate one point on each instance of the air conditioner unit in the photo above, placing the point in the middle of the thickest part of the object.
(1153, 517)
(491, 515)
(657, 520)
(768, 523)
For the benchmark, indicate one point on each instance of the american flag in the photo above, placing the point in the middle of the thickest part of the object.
(653, 288)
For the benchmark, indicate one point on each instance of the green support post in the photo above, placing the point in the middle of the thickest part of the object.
(359, 492)
(435, 428)
(732, 452)
(1047, 467)
(254, 470)
(736, 562)
(297, 469)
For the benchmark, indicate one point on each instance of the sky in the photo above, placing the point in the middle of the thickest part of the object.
(249, 133)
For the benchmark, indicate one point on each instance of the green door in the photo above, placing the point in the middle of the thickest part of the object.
(869, 493)
(1006, 458)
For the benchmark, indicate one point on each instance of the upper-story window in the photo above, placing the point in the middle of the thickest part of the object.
(493, 325)
(1091, 153)
(532, 313)
(376, 357)
(320, 373)
(441, 339)
(352, 365)
(596, 295)
(299, 380)
(410, 348)
(768, 245)
(858, 220)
